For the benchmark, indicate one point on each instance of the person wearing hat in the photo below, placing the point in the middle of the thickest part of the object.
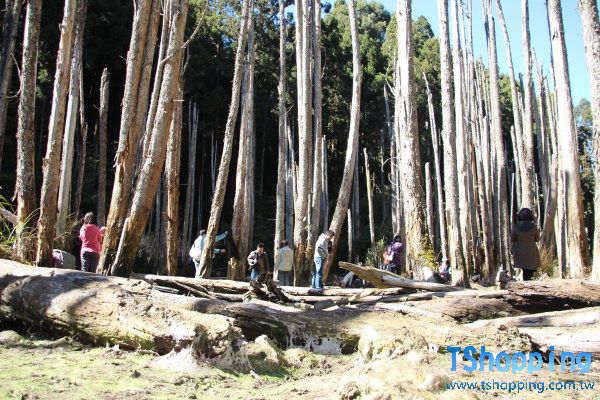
(524, 238)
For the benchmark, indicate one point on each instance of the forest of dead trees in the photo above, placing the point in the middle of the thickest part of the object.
(280, 120)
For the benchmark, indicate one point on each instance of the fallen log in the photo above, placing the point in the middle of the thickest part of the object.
(385, 279)
(574, 341)
(211, 285)
(555, 294)
(101, 309)
(569, 318)
(463, 309)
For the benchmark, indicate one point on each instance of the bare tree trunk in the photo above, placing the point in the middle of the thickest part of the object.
(341, 206)
(140, 59)
(153, 163)
(369, 197)
(528, 161)
(317, 128)
(350, 235)
(172, 166)
(449, 142)
(102, 138)
(188, 214)
(25, 192)
(429, 202)
(66, 181)
(499, 197)
(305, 138)
(438, 173)
(221, 183)
(9, 35)
(516, 103)
(324, 184)
(591, 36)
(248, 221)
(51, 169)
(280, 213)
(577, 244)
(81, 154)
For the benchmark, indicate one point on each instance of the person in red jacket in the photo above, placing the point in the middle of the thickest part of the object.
(91, 243)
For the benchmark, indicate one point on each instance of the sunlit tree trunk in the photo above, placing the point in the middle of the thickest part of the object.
(369, 197)
(282, 144)
(51, 163)
(102, 139)
(343, 199)
(221, 182)
(81, 153)
(25, 186)
(577, 256)
(449, 145)
(153, 163)
(140, 59)
(591, 37)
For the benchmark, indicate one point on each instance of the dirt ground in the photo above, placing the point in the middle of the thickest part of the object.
(35, 368)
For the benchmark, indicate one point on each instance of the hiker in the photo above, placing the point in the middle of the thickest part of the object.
(321, 252)
(284, 260)
(91, 243)
(395, 250)
(196, 250)
(524, 236)
(388, 259)
(258, 262)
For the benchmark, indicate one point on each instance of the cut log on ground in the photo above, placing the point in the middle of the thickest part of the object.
(100, 309)
(212, 285)
(385, 279)
(569, 318)
(553, 294)
(574, 341)
(464, 309)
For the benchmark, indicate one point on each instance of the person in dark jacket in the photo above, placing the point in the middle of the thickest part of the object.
(258, 262)
(395, 251)
(525, 235)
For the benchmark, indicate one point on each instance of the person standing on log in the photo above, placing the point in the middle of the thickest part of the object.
(91, 243)
(196, 250)
(321, 252)
(258, 262)
(525, 235)
(284, 262)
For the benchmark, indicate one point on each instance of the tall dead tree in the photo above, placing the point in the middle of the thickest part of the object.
(305, 138)
(25, 186)
(140, 59)
(591, 38)
(528, 198)
(577, 256)
(102, 138)
(455, 252)
(221, 182)
(282, 144)
(343, 199)
(82, 150)
(66, 176)
(51, 163)
(172, 165)
(150, 173)
(188, 219)
(10, 26)
(369, 197)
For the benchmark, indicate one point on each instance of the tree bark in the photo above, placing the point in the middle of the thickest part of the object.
(369, 197)
(116, 311)
(341, 206)
(25, 191)
(102, 139)
(280, 214)
(9, 35)
(554, 294)
(459, 274)
(51, 163)
(591, 36)
(569, 318)
(81, 154)
(577, 245)
(221, 183)
(153, 163)
(140, 59)
(66, 178)
(172, 167)
(429, 198)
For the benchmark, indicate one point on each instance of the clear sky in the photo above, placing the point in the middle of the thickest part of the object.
(539, 36)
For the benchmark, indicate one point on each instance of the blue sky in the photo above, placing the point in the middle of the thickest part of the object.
(539, 36)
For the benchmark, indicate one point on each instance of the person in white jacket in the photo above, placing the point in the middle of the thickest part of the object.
(284, 262)
(196, 250)
(321, 253)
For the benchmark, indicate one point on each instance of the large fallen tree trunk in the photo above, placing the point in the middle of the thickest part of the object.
(463, 309)
(569, 318)
(553, 294)
(101, 309)
(385, 279)
(574, 341)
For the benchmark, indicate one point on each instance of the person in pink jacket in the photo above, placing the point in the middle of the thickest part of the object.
(91, 243)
